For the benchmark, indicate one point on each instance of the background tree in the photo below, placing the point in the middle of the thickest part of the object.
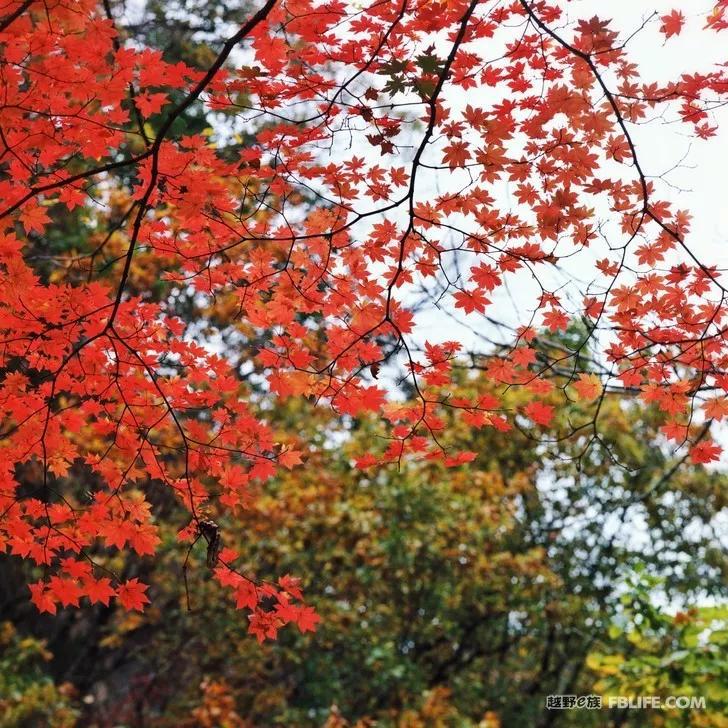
(200, 236)
(666, 655)
(466, 592)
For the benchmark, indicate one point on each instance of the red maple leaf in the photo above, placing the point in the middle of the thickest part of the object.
(672, 23)
(307, 619)
(131, 595)
(99, 590)
(246, 595)
(34, 218)
(555, 320)
(41, 596)
(66, 591)
(705, 452)
(540, 413)
(471, 301)
(456, 154)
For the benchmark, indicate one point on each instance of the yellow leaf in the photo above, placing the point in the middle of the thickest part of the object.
(588, 387)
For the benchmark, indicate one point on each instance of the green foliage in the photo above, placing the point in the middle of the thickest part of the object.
(28, 696)
(651, 652)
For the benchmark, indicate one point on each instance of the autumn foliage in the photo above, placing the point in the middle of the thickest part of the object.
(366, 164)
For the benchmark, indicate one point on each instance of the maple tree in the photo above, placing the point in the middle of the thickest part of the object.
(314, 247)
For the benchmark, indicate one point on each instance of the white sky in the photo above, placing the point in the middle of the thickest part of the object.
(699, 180)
